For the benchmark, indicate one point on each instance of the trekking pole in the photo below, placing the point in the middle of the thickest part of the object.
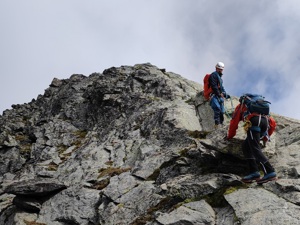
(223, 103)
(232, 108)
(227, 114)
(226, 111)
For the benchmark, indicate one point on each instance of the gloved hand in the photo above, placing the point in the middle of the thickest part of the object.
(227, 96)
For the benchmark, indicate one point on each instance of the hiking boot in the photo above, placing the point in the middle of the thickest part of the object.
(268, 177)
(251, 177)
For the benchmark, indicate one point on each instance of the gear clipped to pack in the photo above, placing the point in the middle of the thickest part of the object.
(247, 125)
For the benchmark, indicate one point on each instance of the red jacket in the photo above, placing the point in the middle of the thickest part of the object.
(238, 116)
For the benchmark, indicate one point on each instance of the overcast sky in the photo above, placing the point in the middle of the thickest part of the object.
(257, 40)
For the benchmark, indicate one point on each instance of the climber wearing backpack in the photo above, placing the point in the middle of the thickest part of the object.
(215, 92)
(259, 125)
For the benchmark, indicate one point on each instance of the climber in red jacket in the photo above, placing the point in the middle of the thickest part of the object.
(258, 127)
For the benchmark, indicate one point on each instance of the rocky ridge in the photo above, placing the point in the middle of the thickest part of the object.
(136, 145)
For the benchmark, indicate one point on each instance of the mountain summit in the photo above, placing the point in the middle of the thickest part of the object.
(136, 145)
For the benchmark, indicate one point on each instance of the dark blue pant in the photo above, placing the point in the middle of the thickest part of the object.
(218, 107)
(251, 147)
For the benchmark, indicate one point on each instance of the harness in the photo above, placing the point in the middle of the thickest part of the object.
(256, 128)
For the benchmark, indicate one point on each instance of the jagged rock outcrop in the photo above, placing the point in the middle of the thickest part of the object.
(136, 145)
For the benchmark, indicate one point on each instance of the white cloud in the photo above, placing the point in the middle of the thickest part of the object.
(257, 41)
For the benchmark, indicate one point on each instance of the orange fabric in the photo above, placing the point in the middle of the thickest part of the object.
(237, 116)
(272, 124)
(207, 90)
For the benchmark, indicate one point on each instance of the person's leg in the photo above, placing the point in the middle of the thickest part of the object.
(215, 105)
(251, 161)
(222, 111)
(221, 118)
(254, 144)
(248, 154)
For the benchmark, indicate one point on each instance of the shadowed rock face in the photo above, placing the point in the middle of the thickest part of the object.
(136, 145)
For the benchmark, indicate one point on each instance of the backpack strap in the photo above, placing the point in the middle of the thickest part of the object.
(257, 127)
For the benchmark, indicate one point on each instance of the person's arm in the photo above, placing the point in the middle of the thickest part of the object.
(234, 122)
(222, 87)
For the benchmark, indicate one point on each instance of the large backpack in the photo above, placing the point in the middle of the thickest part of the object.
(207, 90)
(256, 103)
